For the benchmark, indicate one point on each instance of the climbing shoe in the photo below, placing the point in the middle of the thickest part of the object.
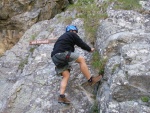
(63, 100)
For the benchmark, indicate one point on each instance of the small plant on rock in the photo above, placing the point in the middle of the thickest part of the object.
(145, 99)
(99, 62)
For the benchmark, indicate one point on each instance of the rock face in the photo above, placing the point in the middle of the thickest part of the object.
(21, 14)
(16, 16)
(124, 39)
(8, 38)
(28, 82)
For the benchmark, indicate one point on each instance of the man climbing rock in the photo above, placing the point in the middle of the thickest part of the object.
(63, 53)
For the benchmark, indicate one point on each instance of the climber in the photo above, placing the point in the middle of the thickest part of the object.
(63, 53)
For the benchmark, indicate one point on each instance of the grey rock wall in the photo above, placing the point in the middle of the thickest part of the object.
(28, 82)
(124, 39)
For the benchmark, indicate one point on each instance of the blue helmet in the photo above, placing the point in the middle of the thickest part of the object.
(71, 27)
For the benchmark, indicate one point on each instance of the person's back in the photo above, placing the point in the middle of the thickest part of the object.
(67, 41)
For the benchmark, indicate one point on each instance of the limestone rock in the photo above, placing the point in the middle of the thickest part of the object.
(28, 80)
(124, 39)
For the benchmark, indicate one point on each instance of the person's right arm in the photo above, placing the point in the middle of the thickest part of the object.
(83, 45)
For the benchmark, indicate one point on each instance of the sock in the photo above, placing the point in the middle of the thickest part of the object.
(62, 95)
(90, 80)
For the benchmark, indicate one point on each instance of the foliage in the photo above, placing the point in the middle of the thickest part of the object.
(85, 2)
(145, 99)
(33, 37)
(98, 62)
(94, 108)
(32, 49)
(114, 68)
(128, 5)
(92, 13)
(23, 63)
(88, 11)
(121, 4)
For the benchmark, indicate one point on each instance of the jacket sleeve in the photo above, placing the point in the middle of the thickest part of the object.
(79, 42)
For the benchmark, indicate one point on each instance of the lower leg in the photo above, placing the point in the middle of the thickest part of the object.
(84, 67)
(63, 85)
(85, 71)
(64, 82)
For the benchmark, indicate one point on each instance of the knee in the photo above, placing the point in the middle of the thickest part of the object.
(66, 74)
(80, 59)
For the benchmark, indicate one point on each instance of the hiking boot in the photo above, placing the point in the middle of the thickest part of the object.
(95, 80)
(63, 100)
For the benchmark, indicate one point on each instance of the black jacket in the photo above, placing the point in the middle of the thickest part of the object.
(67, 41)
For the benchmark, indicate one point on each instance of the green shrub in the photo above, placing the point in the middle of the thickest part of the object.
(85, 2)
(23, 63)
(32, 49)
(33, 37)
(114, 68)
(90, 13)
(94, 108)
(127, 4)
(98, 62)
(145, 99)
